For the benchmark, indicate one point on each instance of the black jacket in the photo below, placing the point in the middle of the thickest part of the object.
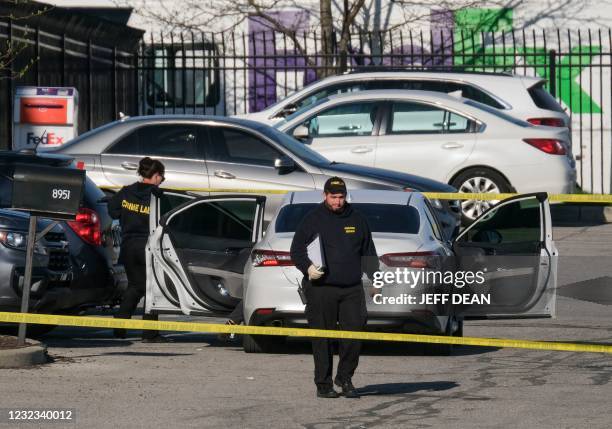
(131, 206)
(347, 245)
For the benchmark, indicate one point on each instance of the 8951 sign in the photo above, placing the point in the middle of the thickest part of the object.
(60, 194)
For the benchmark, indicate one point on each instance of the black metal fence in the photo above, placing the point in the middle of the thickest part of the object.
(230, 73)
(102, 66)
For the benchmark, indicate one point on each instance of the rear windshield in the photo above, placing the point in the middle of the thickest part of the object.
(380, 217)
(543, 99)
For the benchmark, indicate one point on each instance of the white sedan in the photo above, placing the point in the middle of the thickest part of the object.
(467, 144)
(511, 246)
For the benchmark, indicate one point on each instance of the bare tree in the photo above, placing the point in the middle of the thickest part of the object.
(11, 49)
(334, 20)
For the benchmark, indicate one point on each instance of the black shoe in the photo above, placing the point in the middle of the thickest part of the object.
(120, 333)
(348, 390)
(157, 339)
(327, 392)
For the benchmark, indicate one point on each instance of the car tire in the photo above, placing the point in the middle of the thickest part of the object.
(261, 343)
(479, 180)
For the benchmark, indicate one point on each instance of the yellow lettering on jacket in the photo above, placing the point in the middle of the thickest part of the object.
(135, 207)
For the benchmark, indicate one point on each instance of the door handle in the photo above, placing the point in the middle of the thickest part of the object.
(362, 149)
(452, 145)
(224, 174)
(129, 166)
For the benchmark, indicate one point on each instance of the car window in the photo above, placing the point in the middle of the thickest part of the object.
(298, 149)
(516, 222)
(339, 88)
(543, 99)
(350, 119)
(467, 91)
(432, 222)
(498, 113)
(236, 146)
(391, 218)
(202, 225)
(165, 141)
(416, 118)
(169, 201)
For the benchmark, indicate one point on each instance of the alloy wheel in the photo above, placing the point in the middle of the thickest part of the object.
(479, 185)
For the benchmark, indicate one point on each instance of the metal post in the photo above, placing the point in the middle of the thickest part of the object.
(25, 293)
(9, 99)
(114, 85)
(552, 72)
(89, 86)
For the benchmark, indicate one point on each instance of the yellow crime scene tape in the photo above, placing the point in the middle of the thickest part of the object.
(560, 198)
(106, 322)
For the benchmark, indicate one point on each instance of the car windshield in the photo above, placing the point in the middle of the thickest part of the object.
(390, 218)
(497, 113)
(295, 147)
(299, 112)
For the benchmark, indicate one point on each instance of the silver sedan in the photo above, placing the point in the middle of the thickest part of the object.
(215, 155)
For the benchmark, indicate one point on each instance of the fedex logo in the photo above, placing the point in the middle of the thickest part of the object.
(45, 139)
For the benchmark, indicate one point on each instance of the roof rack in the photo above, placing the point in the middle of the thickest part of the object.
(441, 69)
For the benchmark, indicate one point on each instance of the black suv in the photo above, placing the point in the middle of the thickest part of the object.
(75, 263)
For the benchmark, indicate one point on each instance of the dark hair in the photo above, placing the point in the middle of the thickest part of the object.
(148, 167)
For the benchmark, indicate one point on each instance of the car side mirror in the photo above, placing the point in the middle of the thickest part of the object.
(301, 132)
(284, 164)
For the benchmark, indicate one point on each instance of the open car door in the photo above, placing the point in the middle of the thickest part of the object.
(197, 251)
(511, 245)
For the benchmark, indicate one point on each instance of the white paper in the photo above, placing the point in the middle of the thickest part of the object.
(315, 253)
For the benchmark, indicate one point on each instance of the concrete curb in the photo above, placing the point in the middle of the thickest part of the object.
(33, 354)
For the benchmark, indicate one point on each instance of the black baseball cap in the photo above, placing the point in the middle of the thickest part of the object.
(335, 185)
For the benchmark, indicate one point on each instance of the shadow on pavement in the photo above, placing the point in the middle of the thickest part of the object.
(405, 388)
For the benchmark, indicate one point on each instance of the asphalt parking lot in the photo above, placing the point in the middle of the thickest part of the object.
(198, 381)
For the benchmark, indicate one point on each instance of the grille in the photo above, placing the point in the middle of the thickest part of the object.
(59, 259)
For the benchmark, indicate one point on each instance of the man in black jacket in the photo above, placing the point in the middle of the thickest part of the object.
(335, 293)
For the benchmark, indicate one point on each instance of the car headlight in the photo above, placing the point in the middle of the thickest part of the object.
(19, 241)
(16, 240)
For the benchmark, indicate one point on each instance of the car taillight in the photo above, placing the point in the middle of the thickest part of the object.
(271, 258)
(87, 226)
(550, 146)
(549, 122)
(412, 260)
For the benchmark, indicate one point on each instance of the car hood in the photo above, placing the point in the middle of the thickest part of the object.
(417, 183)
(19, 221)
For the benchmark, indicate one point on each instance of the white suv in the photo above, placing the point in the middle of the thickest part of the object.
(522, 97)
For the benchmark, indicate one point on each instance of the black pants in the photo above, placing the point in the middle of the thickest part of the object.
(134, 261)
(326, 307)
